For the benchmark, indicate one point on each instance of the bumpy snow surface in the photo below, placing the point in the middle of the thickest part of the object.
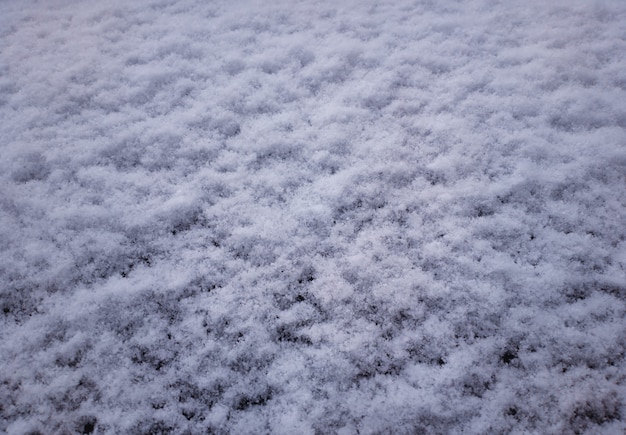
(312, 217)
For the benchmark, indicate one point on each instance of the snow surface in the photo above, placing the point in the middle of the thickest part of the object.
(312, 217)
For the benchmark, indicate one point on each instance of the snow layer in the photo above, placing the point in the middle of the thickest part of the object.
(312, 217)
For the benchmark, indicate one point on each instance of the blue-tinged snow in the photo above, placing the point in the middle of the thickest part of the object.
(312, 217)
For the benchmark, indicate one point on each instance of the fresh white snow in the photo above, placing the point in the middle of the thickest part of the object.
(312, 217)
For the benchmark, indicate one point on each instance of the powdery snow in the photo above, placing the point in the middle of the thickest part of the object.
(312, 217)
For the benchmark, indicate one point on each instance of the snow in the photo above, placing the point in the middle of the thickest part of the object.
(312, 217)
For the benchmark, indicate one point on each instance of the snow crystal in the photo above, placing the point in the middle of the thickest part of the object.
(312, 217)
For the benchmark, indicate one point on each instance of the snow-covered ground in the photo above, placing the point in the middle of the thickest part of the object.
(302, 217)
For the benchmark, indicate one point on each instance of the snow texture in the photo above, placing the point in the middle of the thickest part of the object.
(303, 217)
